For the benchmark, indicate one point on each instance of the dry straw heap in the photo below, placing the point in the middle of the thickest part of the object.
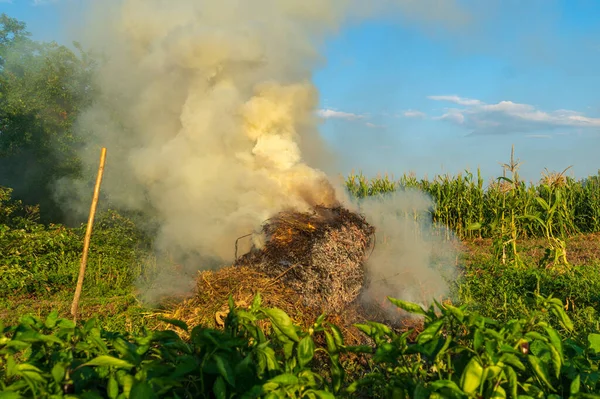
(319, 254)
(311, 263)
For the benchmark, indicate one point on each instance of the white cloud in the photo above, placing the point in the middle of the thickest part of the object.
(456, 99)
(508, 117)
(332, 114)
(411, 113)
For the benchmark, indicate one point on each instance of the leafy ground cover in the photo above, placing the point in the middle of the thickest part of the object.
(458, 354)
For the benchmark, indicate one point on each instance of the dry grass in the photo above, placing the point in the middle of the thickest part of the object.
(318, 254)
(209, 306)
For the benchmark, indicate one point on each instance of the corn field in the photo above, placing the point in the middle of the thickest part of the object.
(556, 206)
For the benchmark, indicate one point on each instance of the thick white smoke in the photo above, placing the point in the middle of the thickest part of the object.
(208, 110)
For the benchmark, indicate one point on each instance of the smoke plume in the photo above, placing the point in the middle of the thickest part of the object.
(413, 259)
(208, 112)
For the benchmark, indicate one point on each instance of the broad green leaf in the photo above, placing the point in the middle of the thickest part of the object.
(142, 390)
(127, 383)
(284, 379)
(225, 369)
(58, 373)
(456, 312)
(219, 388)
(541, 349)
(331, 346)
(556, 360)
(531, 335)
(445, 384)
(431, 349)
(430, 332)
(532, 390)
(337, 376)
(10, 395)
(288, 348)
(266, 357)
(365, 328)
(99, 343)
(26, 367)
(108, 361)
(511, 376)
(408, 306)
(271, 395)
(554, 301)
(51, 319)
(543, 203)
(112, 388)
(564, 320)
(594, 342)
(11, 366)
(256, 302)
(283, 322)
(66, 324)
(513, 360)
(575, 385)
(30, 336)
(306, 350)
(555, 341)
(471, 377)
(34, 376)
(540, 371)
(498, 393)
(337, 335)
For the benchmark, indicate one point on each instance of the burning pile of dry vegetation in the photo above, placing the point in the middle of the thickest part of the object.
(319, 254)
(209, 307)
(310, 263)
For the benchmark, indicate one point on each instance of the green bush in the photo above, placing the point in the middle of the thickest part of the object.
(39, 259)
(458, 354)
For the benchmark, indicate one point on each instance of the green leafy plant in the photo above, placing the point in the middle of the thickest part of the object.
(460, 354)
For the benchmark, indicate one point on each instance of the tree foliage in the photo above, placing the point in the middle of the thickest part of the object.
(43, 88)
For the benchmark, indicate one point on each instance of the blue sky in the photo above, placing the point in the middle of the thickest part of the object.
(407, 95)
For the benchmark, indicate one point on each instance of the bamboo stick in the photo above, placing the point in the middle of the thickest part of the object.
(88, 234)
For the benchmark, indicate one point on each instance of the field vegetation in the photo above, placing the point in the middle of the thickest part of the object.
(522, 319)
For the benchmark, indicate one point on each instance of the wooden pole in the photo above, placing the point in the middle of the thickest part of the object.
(88, 235)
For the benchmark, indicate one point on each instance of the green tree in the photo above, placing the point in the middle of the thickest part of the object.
(43, 87)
